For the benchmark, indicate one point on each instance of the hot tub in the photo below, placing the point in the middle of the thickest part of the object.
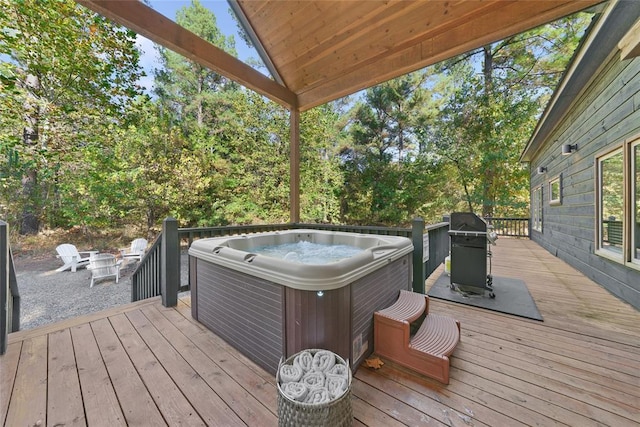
(269, 308)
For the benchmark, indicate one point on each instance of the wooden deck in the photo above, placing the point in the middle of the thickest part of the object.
(143, 364)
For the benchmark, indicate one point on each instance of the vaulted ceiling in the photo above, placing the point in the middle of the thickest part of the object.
(319, 51)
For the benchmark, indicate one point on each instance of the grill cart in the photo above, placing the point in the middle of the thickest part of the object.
(470, 238)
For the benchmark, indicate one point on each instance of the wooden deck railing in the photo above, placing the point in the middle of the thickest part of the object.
(612, 232)
(159, 271)
(513, 227)
(191, 234)
(9, 294)
(145, 280)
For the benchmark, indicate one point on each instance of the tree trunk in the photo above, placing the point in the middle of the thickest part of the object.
(487, 185)
(488, 71)
(200, 113)
(30, 223)
(487, 194)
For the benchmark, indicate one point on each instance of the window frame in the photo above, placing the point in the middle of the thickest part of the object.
(630, 202)
(600, 249)
(634, 200)
(537, 198)
(557, 200)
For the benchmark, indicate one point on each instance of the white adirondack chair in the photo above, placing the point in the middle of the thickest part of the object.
(72, 259)
(136, 251)
(104, 265)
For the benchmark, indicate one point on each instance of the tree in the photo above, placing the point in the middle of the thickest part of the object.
(499, 91)
(189, 92)
(383, 142)
(157, 172)
(72, 71)
(257, 146)
(483, 139)
(320, 136)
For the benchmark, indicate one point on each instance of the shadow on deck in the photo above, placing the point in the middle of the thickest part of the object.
(144, 364)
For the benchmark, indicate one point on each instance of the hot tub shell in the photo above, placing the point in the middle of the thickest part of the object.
(269, 308)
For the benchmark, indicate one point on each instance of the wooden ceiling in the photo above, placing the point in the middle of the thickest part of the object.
(324, 50)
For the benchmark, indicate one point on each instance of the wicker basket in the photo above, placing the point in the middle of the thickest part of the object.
(335, 413)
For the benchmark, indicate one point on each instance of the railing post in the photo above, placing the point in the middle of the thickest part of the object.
(170, 263)
(4, 286)
(417, 231)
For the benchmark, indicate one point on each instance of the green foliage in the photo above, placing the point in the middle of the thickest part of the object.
(488, 116)
(377, 164)
(320, 177)
(190, 93)
(81, 146)
(482, 137)
(258, 149)
(69, 73)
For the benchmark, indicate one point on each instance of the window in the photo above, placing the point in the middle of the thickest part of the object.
(536, 207)
(555, 191)
(611, 200)
(635, 202)
(618, 203)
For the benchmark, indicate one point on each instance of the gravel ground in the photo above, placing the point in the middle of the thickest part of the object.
(48, 296)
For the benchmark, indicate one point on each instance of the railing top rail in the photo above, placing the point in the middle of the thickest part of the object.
(354, 227)
(13, 280)
(187, 230)
(183, 232)
(435, 226)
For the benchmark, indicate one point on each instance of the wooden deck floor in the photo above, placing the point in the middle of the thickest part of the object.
(143, 364)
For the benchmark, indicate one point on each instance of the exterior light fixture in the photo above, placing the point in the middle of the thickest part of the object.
(568, 149)
(320, 293)
(541, 170)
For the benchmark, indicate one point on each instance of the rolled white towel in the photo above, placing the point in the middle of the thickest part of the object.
(296, 391)
(290, 373)
(303, 360)
(317, 396)
(336, 385)
(339, 369)
(323, 361)
(313, 379)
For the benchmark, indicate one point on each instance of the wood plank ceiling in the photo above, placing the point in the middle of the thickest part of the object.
(324, 50)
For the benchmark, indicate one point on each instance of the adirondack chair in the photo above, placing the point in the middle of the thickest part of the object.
(72, 259)
(104, 265)
(136, 251)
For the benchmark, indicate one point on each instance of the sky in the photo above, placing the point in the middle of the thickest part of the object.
(168, 8)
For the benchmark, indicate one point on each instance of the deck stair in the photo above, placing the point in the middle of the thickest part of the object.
(428, 350)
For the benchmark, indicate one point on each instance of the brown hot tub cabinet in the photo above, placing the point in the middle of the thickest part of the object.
(269, 308)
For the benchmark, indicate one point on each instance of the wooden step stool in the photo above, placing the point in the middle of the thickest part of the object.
(428, 351)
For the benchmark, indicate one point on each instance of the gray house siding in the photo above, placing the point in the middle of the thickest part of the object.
(602, 117)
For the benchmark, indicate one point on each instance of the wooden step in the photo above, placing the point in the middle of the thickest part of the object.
(408, 307)
(438, 335)
(428, 350)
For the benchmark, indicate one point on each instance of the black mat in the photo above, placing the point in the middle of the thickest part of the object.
(512, 297)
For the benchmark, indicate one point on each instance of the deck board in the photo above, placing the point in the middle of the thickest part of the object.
(64, 399)
(9, 365)
(228, 393)
(135, 398)
(100, 401)
(144, 364)
(173, 405)
(29, 395)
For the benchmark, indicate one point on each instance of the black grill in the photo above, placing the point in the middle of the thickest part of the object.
(470, 238)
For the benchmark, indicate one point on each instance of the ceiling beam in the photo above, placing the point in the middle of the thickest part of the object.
(630, 44)
(145, 21)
